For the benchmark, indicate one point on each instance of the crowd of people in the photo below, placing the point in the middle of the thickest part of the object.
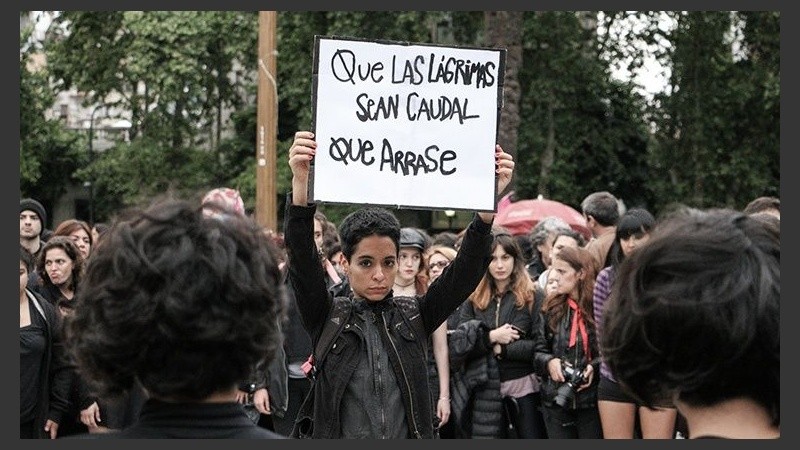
(186, 319)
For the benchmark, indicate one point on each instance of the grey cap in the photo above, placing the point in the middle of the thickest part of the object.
(410, 237)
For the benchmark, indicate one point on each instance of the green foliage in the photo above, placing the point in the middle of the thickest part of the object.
(719, 131)
(711, 140)
(133, 174)
(598, 139)
(48, 153)
(174, 70)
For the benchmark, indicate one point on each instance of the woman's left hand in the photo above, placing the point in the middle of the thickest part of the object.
(443, 410)
(588, 375)
(504, 169)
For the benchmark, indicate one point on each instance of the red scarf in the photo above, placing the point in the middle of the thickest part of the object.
(578, 325)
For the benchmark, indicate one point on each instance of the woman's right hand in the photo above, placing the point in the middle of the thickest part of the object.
(554, 368)
(504, 334)
(302, 152)
(303, 149)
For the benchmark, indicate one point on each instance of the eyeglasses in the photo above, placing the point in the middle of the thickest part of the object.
(440, 264)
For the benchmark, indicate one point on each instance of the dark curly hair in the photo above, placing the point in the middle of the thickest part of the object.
(368, 222)
(695, 313)
(184, 304)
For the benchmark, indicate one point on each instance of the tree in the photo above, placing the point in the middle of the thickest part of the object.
(504, 29)
(718, 131)
(711, 139)
(173, 70)
(580, 130)
(177, 76)
(48, 153)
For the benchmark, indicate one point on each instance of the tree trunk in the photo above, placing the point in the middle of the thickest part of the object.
(504, 29)
(549, 155)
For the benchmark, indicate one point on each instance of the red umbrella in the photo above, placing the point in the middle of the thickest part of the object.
(521, 216)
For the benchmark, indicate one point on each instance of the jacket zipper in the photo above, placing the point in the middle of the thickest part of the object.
(497, 313)
(405, 378)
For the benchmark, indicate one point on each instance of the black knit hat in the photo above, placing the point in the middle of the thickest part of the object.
(29, 204)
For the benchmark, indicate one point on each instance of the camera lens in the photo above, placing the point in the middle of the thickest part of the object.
(564, 395)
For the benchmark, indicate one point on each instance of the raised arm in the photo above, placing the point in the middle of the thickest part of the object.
(306, 276)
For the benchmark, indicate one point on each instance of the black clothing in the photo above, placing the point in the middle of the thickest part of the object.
(79, 399)
(526, 418)
(121, 412)
(298, 390)
(580, 418)
(515, 359)
(565, 423)
(32, 348)
(160, 420)
(395, 337)
(477, 409)
(535, 268)
(382, 413)
(53, 374)
(549, 345)
(297, 348)
(51, 293)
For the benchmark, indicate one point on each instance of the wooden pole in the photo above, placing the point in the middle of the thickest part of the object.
(267, 122)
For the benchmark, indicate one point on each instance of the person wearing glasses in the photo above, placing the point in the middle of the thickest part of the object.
(438, 257)
(413, 279)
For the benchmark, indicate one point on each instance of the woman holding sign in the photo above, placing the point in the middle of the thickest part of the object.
(370, 368)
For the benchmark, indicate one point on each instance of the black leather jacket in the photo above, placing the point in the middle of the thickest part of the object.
(406, 348)
(549, 345)
(515, 359)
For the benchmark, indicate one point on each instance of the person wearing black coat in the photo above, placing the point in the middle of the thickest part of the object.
(184, 303)
(44, 371)
(373, 383)
(565, 349)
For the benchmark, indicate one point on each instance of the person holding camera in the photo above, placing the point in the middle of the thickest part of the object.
(566, 350)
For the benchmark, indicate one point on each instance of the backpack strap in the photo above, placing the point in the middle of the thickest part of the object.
(339, 316)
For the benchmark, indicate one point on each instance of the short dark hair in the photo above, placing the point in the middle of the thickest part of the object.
(184, 303)
(696, 312)
(366, 222)
(603, 206)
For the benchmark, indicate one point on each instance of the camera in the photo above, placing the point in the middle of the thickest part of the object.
(565, 393)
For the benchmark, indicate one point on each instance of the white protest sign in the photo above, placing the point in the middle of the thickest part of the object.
(406, 125)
